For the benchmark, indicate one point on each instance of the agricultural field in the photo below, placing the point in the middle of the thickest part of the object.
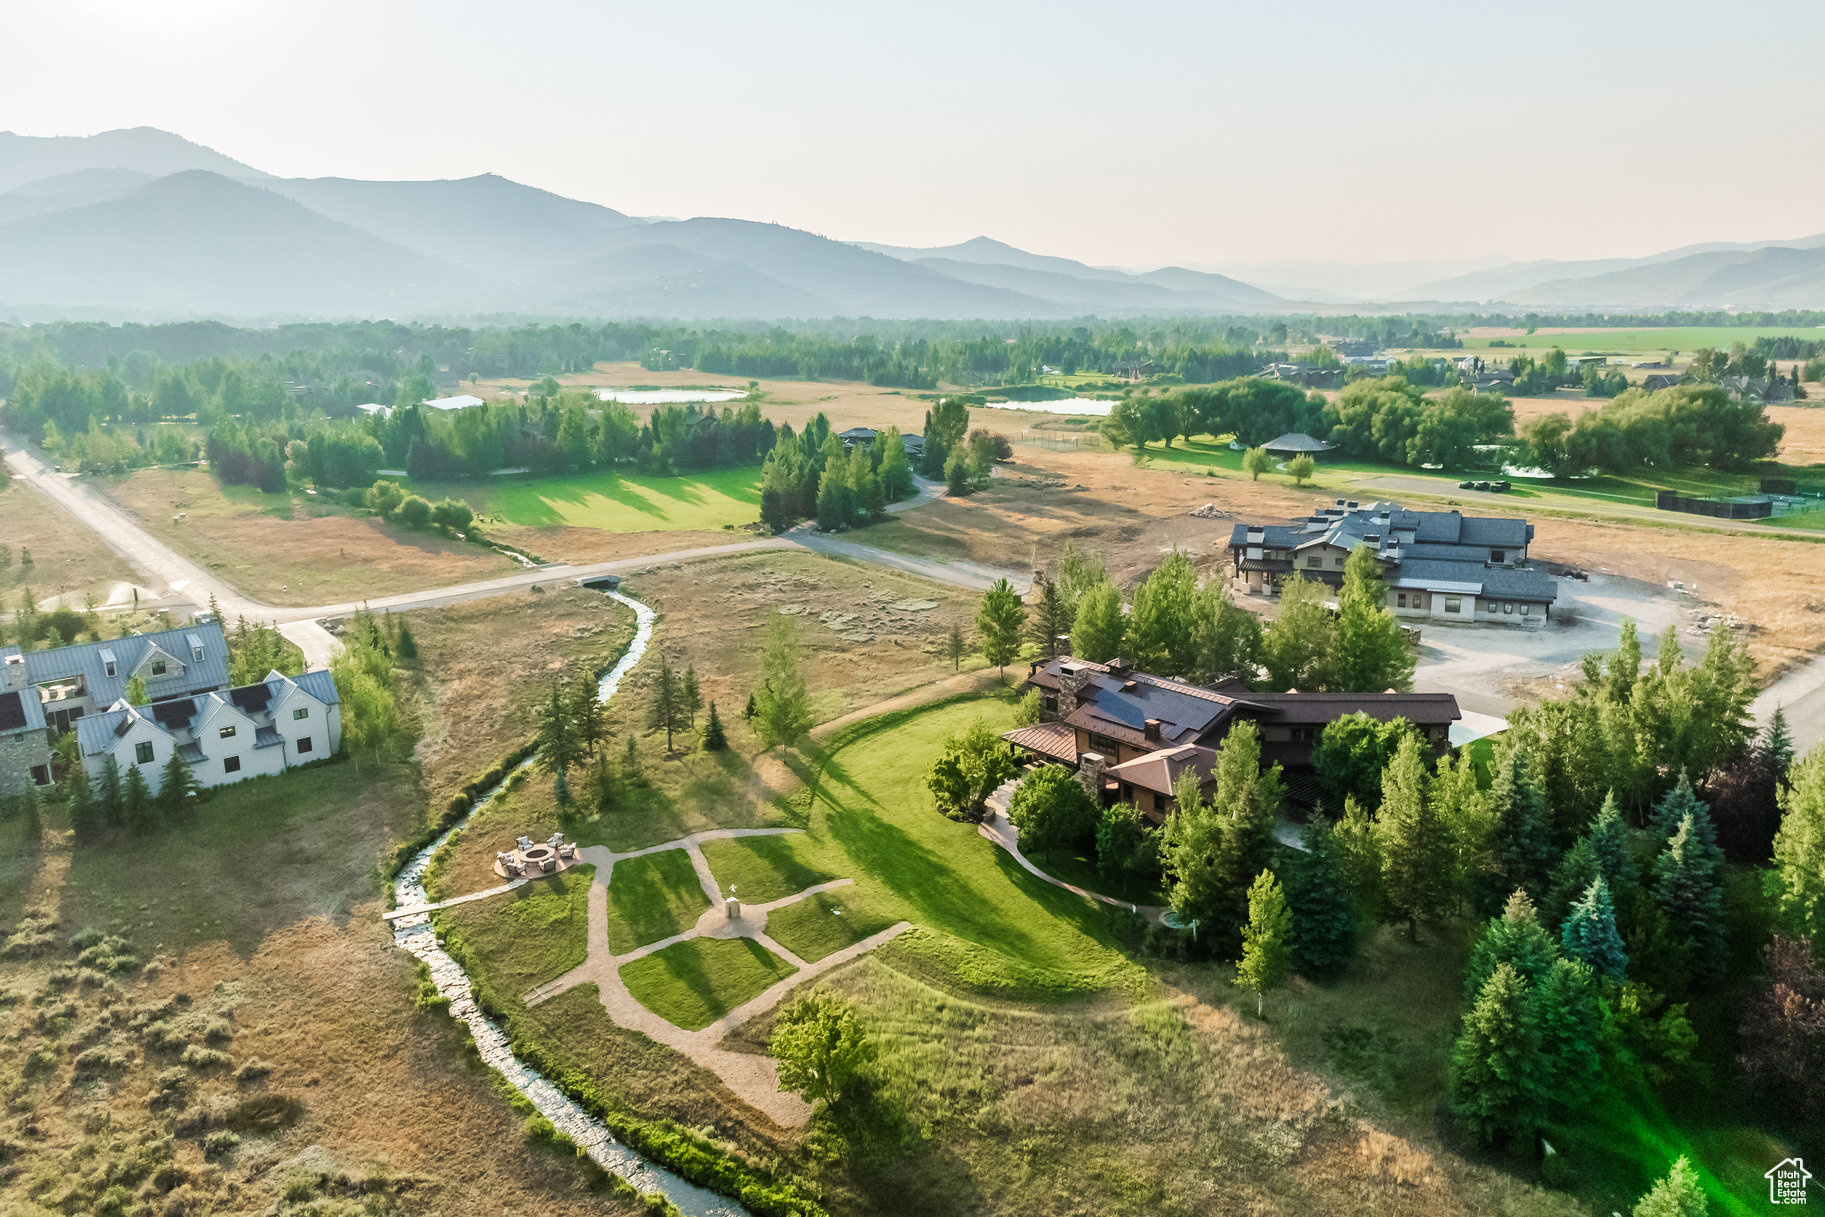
(69, 563)
(292, 549)
(1651, 340)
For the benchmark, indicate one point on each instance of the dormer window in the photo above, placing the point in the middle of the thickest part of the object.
(158, 667)
(108, 665)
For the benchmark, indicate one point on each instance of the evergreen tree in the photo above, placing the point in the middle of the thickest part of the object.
(1099, 626)
(749, 711)
(1777, 741)
(175, 787)
(1463, 809)
(1519, 839)
(1567, 1011)
(895, 473)
(714, 739)
(136, 802)
(1590, 933)
(1246, 803)
(692, 694)
(782, 705)
(1324, 923)
(1371, 651)
(556, 737)
(1495, 1064)
(405, 646)
(1799, 848)
(630, 764)
(1359, 859)
(1515, 938)
(588, 721)
(959, 474)
(1680, 1194)
(111, 800)
(1051, 618)
(30, 817)
(1417, 882)
(85, 814)
(998, 624)
(955, 647)
(1609, 841)
(1266, 939)
(1685, 887)
(666, 710)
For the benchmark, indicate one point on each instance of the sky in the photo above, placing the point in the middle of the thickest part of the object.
(1140, 134)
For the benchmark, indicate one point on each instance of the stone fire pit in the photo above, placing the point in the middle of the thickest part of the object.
(532, 860)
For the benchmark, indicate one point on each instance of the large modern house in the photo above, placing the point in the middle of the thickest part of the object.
(1131, 734)
(226, 734)
(1443, 566)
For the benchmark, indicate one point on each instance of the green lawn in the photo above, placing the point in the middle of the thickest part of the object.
(827, 922)
(612, 502)
(533, 934)
(652, 897)
(695, 982)
(762, 868)
(1652, 339)
(1079, 867)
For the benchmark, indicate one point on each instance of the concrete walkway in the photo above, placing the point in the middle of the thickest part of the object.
(752, 1078)
(997, 828)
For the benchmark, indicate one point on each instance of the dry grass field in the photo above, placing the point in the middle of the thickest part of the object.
(286, 551)
(69, 562)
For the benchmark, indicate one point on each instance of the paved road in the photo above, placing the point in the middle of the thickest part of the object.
(164, 567)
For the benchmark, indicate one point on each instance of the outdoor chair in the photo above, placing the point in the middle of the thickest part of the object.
(524, 843)
(548, 865)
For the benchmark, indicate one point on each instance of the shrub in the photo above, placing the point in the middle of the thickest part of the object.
(99, 1060)
(219, 1144)
(414, 512)
(198, 1057)
(253, 1070)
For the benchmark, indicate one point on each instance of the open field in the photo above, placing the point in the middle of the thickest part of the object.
(259, 920)
(284, 549)
(695, 982)
(651, 898)
(69, 562)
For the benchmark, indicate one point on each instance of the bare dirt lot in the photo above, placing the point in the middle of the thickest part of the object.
(68, 562)
(289, 552)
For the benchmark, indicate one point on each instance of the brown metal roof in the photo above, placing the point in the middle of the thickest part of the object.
(1054, 740)
(1159, 771)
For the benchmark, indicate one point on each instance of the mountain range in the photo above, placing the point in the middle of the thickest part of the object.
(141, 224)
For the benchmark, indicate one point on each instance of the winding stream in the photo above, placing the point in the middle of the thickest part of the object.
(415, 934)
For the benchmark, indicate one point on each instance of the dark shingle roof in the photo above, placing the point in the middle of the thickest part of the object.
(1421, 709)
(1296, 441)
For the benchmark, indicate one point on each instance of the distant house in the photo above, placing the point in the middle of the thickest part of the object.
(1310, 376)
(1659, 380)
(462, 401)
(374, 407)
(914, 445)
(1354, 347)
(1296, 443)
(1131, 735)
(858, 435)
(1440, 565)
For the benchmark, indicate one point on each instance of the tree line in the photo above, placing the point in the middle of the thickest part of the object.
(813, 474)
(1685, 424)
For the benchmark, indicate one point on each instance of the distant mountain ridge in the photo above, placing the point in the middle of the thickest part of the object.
(141, 224)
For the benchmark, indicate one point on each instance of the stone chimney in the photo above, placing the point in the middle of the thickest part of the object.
(1151, 730)
(13, 678)
(1090, 766)
(1072, 677)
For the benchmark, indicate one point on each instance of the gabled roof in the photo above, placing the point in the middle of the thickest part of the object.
(1297, 441)
(1054, 740)
(1420, 709)
(1119, 703)
(319, 684)
(186, 676)
(97, 733)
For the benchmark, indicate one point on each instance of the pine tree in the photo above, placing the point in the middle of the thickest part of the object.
(556, 737)
(1517, 939)
(30, 818)
(1590, 933)
(79, 790)
(136, 802)
(1799, 848)
(783, 704)
(1495, 1064)
(588, 722)
(666, 711)
(1324, 923)
(1777, 742)
(630, 764)
(1567, 1011)
(1609, 840)
(1417, 881)
(998, 624)
(1680, 1194)
(691, 694)
(1266, 939)
(1685, 888)
(955, 647)
(1098, 628)
(1372, 654)
(749, 711)
(1051, 618)
(176, 786)
(1519, 840)
(112, 802)
(714, 739)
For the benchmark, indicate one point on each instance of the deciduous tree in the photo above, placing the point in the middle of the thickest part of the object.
(1370, 650)
(974, 762)
(821, 1047)
(1051, 808)
(1266, 939)
(1098, 629)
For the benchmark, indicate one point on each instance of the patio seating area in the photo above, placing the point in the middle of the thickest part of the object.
(529, 859)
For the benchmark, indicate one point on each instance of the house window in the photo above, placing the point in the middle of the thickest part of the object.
(41, 775)
(226, 733)
(142, 752)
(1338, 562)
(231, 764)
(1453, 604)
(108, 667)
(1524, 609)
(304, 745)
(301, 712)
(158, 667)
(1498, 555)
(1508, 608)
(1400, 599)
(196, 653)
(1315, 560)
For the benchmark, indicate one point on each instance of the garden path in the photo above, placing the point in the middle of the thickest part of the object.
(997, 828)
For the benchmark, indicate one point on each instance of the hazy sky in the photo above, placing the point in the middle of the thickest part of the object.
(1137, 134)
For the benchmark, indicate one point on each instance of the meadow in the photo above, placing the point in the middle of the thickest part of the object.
(1645, 341)
(611, 502)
